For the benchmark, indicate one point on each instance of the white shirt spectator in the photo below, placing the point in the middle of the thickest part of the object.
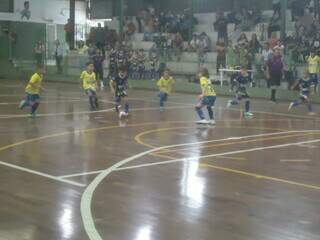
(266, 54)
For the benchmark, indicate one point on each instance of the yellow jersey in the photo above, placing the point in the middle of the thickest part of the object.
(89, 80)
(166, 85)
(206, 87)
(34, 84)
(313, 64)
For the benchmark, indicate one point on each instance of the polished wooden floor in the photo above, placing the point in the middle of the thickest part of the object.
(75, 174)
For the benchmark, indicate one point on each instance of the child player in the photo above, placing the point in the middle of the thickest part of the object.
(89, 83)
(119, 86)
(305, 85)
(207, 98)
(241, 81)
(166, 85)
(32, 90)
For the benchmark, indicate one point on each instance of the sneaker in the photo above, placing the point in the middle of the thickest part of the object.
(311, 113)
(212, 122)
(290, 106)
(248, 114)
(123, 115)
(161, 109)
(202, 121)
(22, 104)
(117, 108)
(31, 115)
(229, 104)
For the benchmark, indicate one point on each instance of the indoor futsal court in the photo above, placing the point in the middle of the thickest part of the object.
(75, 174)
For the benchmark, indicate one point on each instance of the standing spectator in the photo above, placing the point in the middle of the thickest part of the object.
(26, 13)
(221, 26)
(177, 45)
(273, 41)
(254, 45)
(98, 60)
(274, 25)
(276, 6)
(58, 53)
(139, 19)
(100, 38)
(221, 54)
(39, 51)
(131, 28)
(274, 73)
(232, 56)
(267, 53)
(69, 30)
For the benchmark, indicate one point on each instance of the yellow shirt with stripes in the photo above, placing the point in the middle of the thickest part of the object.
(206, 86)
(313, 64)
(34, 84)
(89, 80)
(166, 85)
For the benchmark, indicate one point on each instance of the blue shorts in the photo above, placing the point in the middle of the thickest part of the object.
(91, 92)
(314, 79)
(304, 95)
(208, 101)
(32, 97)
(163, 96)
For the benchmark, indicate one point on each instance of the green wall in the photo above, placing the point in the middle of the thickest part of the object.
(27, 36)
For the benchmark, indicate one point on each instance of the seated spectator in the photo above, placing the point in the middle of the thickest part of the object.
(131, 28)
(221, 26)
(243, 40)
(83, 48)
(192, 47)
(205, 42)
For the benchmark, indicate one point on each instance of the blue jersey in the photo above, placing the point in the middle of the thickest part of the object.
(120, 85)
(242, 82)
(305, 85)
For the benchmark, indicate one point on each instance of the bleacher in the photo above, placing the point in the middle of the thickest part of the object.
(188, 64)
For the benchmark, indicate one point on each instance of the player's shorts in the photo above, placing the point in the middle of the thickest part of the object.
(304, 95)
(242, 93)
(163, 96)
(91, 92)
(208, 101)
(314, 79)
(120, 94)
(32, 97)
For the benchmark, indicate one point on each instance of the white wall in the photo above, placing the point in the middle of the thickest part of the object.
(50, 11)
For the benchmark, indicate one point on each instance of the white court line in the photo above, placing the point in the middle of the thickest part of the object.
(41, 174)
(46, 102)
(86, 199)
(56, 114)
(295, 160)
(85, 112)
(202, 142)
(216, 155)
